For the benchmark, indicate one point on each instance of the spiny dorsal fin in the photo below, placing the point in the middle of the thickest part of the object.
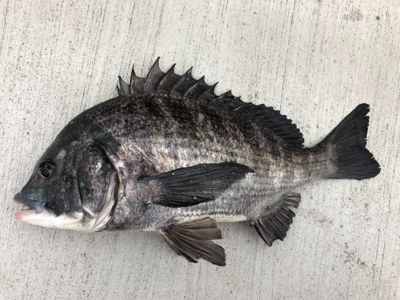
(185, 85)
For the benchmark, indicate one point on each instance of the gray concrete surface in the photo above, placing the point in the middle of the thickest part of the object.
(314, 60)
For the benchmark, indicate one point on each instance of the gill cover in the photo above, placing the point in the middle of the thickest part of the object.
(98, 185)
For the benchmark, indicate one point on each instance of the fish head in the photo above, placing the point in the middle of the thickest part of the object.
(72, 187)
(49, 193)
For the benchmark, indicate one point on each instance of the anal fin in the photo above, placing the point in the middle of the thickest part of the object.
(193, 240)
(275, 223)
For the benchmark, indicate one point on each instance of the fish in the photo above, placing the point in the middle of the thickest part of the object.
(169, 155)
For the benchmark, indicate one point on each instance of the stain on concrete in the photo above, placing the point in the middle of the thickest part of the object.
(355, 15)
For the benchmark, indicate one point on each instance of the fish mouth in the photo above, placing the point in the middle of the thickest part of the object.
(33, 207)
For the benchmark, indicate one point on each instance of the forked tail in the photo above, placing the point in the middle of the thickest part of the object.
(348, 139)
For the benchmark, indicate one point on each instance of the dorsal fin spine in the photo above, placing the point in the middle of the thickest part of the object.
(226, 94)
(154, 78)
(120, 93)
(171, 70)
(136, 82)
(193, 87)
(181, 80)
(209, 90)
(124, 86)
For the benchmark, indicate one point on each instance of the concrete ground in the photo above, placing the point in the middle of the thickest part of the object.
(314, 60)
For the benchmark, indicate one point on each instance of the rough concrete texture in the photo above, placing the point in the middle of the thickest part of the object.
(313, 60)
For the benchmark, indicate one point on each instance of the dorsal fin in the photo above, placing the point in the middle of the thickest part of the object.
(185, 85)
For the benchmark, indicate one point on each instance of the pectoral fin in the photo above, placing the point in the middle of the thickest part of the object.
(193, 240)
(197, 184)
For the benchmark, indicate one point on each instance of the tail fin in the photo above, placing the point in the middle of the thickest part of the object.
(349, 140)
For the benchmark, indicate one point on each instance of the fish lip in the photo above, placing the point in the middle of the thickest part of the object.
(32, 204)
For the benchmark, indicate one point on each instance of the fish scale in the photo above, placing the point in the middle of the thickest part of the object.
(170, 155)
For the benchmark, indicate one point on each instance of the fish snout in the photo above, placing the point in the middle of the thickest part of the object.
(32, 204)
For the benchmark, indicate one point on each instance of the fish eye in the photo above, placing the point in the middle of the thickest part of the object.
(46, 170)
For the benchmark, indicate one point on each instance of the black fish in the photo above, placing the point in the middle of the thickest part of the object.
(169, 155)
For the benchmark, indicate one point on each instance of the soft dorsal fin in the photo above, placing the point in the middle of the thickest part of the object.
(185, 85)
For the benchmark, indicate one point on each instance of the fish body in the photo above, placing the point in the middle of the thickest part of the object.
(169, 155)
